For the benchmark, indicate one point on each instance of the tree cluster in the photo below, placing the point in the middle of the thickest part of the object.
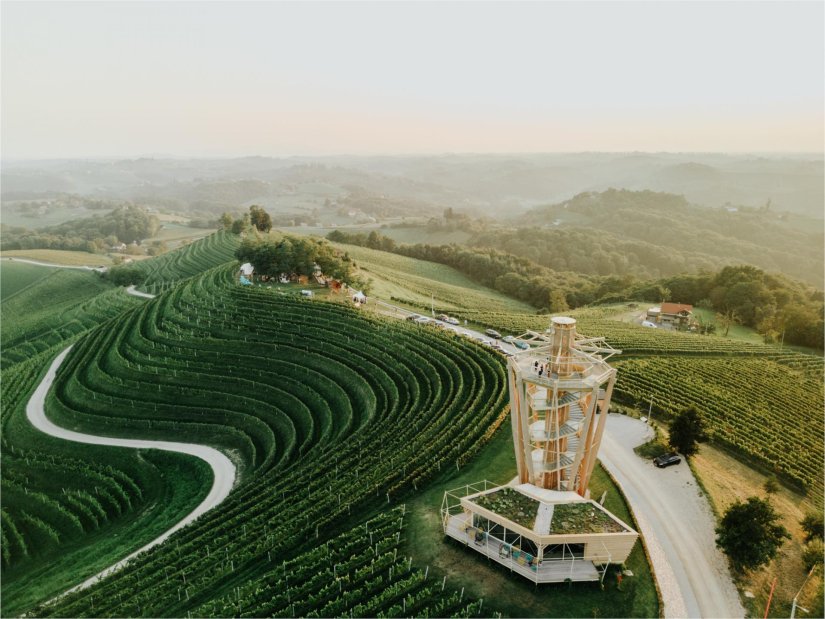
(125, 224)
(275, 254)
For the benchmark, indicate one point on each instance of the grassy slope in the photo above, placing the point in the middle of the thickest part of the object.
(513, 595)
(15, 276)
(415, 280)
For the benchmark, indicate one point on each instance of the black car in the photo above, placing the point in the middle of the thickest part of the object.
(666, 460)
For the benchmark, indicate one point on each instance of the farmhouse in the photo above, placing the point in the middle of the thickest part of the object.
(543, 524)
(679, 313)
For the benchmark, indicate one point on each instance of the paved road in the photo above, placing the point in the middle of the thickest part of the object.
(56, 266)
(222, 468)
(477, 335)
(677, 524)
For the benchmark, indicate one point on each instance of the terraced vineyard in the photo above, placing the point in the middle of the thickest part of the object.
(58, 500)
(331, 415)
(192, 259)
(58, 307)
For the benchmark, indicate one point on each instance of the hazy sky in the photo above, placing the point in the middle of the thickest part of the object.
(211, 79)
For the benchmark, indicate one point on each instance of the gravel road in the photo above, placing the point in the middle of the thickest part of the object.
(677, 524)
(222, 468)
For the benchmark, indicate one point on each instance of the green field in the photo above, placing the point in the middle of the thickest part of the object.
(15, 276)
(164, 271)
(60, 256)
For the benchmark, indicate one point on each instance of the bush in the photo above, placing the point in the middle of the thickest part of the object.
(126, 275)
(813, 526)
(812, 553)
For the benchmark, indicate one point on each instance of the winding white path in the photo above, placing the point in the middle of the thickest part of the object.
(222, 468)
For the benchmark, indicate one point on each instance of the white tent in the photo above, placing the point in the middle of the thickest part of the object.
(247, 269)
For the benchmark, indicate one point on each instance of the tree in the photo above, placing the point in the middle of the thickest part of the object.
(813, 526)
(726, 320)
(771, 485)
(240, 225)
(226, 221)
(749, 533)
(686, 431)
(259, 218)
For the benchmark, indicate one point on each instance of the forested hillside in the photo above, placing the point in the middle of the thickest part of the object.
(650, 234)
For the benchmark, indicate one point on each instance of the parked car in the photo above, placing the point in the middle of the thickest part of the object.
(508, 338)
(443, 317)
(493, 333)
(413, 317)
(667, 460)
(453, 321)
(521, 345)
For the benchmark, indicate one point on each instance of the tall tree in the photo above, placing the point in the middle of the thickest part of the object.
(259, 218)
(749, 533)
(686, 432)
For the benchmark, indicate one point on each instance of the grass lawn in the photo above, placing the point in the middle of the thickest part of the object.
(59, 256)
(510, 594)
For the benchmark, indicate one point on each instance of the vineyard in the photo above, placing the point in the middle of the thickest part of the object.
(358, 573)
(330, 415)
(56, 308)
(58, 500)
(759, 407)
(192, 259)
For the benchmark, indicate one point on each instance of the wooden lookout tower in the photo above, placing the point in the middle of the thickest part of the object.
(543, 525)
(559, 396)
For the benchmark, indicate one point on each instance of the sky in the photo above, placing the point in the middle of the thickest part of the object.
(313, 78)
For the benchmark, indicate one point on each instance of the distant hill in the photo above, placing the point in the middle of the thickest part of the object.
(494, 185)
(651, 234)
